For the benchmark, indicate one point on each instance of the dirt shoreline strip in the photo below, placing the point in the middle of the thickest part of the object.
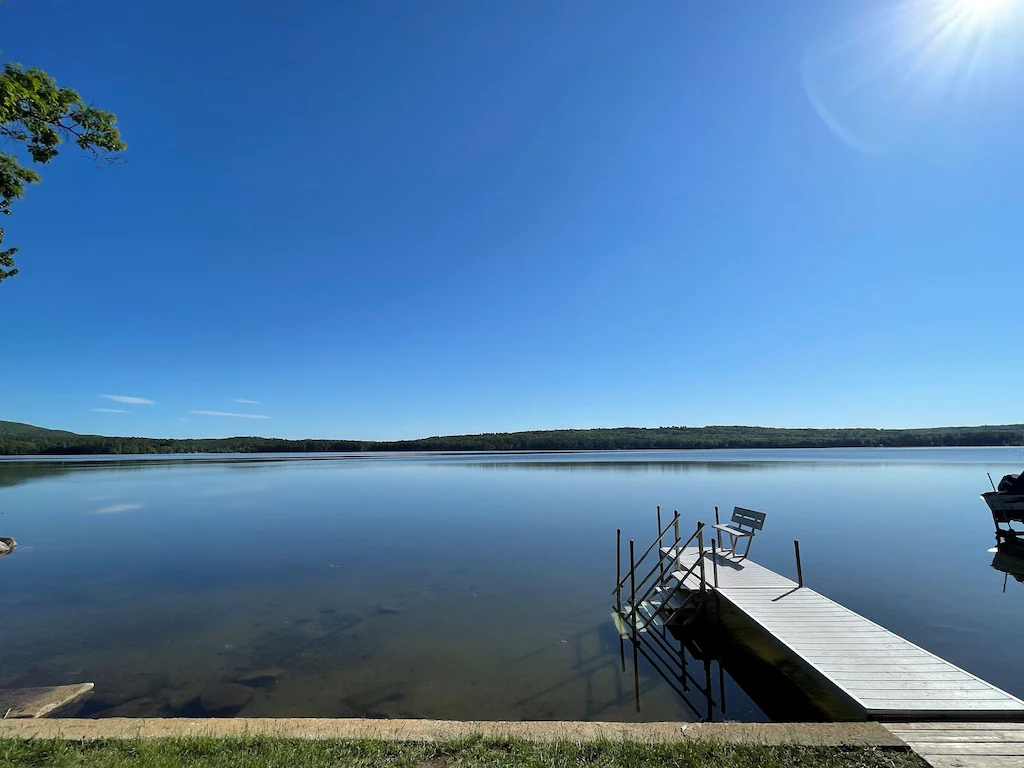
(809, 734)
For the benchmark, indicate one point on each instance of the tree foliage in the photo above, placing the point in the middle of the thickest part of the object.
(37, 116)
(23, 439)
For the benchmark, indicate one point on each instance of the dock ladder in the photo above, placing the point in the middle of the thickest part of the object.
(658, 592)
(666, 594)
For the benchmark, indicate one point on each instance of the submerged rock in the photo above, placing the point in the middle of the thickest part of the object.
(132, 708)
(260, 678)
(224, 698)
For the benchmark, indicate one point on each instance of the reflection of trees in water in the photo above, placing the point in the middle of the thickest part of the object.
(22, 471)
(18, 472)
(647, 466)
(675, 466)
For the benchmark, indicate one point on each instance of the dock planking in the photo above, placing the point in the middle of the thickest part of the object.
(876, 671)
(965, 745)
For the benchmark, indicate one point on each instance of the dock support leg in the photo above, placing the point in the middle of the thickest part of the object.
(707, 687)
(634, 611)
(661, 561)
(714, 571)
(618, 591)
(618, 570)
(721, 687)
(714, 563)
(799, 567)
(700, 559)
(682, 664)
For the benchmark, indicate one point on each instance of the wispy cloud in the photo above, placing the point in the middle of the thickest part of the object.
(129, 400)
(110, 410)
(247, 402)
(233, 415)
(114, 509)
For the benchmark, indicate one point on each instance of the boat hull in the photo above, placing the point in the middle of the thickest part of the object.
(1006, 507)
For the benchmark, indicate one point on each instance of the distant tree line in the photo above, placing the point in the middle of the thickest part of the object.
(20, 439)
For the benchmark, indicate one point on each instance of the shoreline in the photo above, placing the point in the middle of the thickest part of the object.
(270, 456)
(858, 734)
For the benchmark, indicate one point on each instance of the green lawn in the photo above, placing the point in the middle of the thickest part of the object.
(292, 753)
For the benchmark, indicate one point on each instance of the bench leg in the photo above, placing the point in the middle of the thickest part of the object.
(732, 544)
(750, 540)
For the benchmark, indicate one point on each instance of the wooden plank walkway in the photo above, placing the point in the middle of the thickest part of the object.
(873, 669)
(965, 745)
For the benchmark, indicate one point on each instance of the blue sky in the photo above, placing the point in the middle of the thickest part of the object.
(396, 219)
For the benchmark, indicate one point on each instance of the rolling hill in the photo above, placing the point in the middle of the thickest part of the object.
(26, 439)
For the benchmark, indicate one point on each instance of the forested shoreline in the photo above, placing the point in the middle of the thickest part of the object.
(23, 439)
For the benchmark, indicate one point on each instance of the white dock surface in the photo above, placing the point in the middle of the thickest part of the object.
(965, 745)
(889, 677)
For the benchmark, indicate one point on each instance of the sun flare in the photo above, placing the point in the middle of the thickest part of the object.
(902, 69)
(983, 7)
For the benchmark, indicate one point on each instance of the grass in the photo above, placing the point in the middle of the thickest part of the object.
(202, 752)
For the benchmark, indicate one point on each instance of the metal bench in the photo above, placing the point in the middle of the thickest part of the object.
(744, 524)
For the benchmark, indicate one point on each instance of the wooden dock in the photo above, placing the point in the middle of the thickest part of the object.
(965, 745)
(873, 670)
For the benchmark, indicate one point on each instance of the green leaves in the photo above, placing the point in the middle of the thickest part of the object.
(6, 260)
(37, 116)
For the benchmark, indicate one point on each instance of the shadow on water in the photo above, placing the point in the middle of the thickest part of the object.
(586, 668)
(721, 654)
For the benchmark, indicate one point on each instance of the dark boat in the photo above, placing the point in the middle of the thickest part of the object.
(1007, 505)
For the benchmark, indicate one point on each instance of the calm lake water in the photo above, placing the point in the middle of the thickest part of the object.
(458, 586)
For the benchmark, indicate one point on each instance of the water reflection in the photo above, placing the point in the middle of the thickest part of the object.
(721, 666)
(675, 655)
(629, 467)
(1009, 559)
(17, 472)
(426, 586)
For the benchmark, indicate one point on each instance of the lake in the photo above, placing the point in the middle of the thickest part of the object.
(468, 586)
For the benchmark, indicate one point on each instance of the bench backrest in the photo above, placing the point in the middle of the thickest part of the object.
(748, 518)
